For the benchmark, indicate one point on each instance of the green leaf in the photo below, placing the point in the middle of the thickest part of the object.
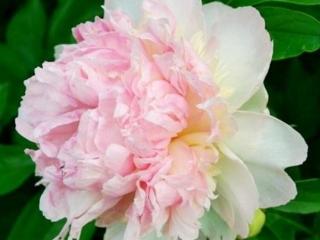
(30, 224)
(17, 139)
(266, 234)
(15, 91)
(304, 86)
(279, 227)
(53, 230)
(13, 71)
(4, 92)
(307, 200)
(10, 94)
(70, 13)
(316, 225)
(293, 32)
(86, 234)
(284, 228)
(275, 218)
(25, 33)
(15, 168)
(88, 231)
(11, 64)
(238, 3)
(11, 206)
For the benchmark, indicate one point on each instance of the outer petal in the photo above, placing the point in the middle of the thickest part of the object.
(239, 50)
(258, 102)
(274, 185)
(215, 228)
(115, 231)
(133, 8)
(263, 139)
(237, 193)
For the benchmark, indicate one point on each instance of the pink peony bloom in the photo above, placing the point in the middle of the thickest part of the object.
(155, 124)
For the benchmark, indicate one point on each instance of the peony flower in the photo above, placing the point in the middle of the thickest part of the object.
(155, 124)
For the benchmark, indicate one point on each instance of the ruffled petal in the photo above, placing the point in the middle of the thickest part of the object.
(239, 50)
(189, 18)
(133, 8)
(58, 202)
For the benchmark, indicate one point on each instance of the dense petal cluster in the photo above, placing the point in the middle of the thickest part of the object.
(155, 123)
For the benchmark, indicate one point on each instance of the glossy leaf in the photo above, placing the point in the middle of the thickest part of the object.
(293, 32)
(308, 199)
(4, 92)
(13, 72)
(68, 14)
(88, 231)
(304, 86)
(11, 206)
(25, 33)
(32, 225)
(283, 227)
(15, 168)
(254, 2)
(11, 64)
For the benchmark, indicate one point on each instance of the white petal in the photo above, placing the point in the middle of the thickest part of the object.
(133, 8)
(115, 231)
(237, 193)
(263, 139)
(153, 236)
(57, 202)
(274, 185)
(258, 102)
(214, 228)
(239, 50)
(187, 13)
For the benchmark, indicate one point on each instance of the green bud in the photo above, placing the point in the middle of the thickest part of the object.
(257, 223)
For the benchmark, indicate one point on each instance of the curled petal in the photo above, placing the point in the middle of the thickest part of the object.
(239, 50)
(132, 8)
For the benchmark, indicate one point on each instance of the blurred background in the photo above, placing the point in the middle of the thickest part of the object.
(29, 30)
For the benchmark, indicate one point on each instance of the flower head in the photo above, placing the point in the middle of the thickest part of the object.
(155, 123)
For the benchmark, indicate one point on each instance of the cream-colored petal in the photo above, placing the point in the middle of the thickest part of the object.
(187, 13)
(115, 231)
(258, 102)
(237, 198)
(274, 185)
(215, 228)
(239, 51)
(265, 140)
